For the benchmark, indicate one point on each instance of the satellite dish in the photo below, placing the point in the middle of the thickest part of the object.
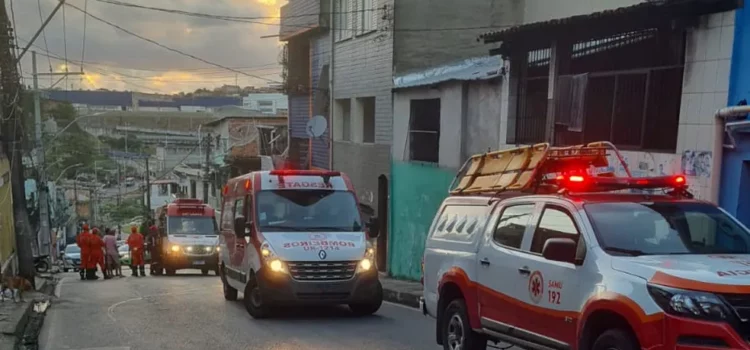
(316, 126)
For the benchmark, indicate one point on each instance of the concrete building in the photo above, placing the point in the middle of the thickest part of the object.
(735, 171)
(267, 103)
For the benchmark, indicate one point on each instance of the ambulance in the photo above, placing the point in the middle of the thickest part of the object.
(296, 237)
(545, 248)
(188, 238)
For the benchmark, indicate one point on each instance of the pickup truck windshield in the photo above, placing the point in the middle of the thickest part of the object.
(308, 210)
(663, 228)
(191, 225)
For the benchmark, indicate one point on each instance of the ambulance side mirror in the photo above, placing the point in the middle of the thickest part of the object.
(560, 249)
(373, 227)
(239, 226)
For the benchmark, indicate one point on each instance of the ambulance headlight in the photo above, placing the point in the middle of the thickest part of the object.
(687, 303)
(189, 249)
(276, 265)
(175, 248)
(369, 251)
(364, 265)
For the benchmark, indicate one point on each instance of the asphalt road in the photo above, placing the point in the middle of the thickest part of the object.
(188, 311)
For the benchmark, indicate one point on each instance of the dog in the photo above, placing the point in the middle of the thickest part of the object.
(16, 285)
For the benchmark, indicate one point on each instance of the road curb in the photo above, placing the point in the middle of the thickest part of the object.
(403, 298)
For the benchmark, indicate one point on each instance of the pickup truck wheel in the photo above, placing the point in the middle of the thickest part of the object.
(456, 331)
(253, 300)
(229, 292)
(616, 339)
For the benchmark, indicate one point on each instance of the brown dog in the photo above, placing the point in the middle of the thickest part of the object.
(16, 284)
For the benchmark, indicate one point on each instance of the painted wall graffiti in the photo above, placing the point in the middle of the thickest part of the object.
(697, 163)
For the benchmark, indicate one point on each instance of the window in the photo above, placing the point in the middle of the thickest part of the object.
(238, 208)
(191, 225)
(265, 103)
(227, 216)
(368, 119)
(309, 210)
(343, 128)
(424, 130)
(163, 189)
(366, 16)
(458, 223)
(555, 223)
(343, 20)
(512, 225)
(663, 228)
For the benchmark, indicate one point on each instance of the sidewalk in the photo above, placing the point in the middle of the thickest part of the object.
(401, 292)
(15, 315)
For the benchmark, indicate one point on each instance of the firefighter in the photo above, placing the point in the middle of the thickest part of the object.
(96, 245)
(136, 244)
(87, 262)
(82, 241)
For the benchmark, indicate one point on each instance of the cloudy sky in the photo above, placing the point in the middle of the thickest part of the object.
(116, 60)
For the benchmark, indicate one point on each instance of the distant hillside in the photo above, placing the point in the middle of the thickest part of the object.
(175, 121)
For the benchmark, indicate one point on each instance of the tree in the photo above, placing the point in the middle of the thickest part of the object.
(127, 209)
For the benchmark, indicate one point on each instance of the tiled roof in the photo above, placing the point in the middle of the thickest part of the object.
(652, 9)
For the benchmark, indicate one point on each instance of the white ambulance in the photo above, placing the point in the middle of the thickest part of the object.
(533, 250)
(297, 237)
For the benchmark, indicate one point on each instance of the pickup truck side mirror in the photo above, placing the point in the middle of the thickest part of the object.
(239, 226)
(560, 249)
(373, 227)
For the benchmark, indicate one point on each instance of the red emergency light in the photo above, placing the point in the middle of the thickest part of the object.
(583, 183)
(293, 172)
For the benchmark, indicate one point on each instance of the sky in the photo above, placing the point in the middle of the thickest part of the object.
(116, 60)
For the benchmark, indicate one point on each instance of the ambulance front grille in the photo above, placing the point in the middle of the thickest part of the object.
(322, 271)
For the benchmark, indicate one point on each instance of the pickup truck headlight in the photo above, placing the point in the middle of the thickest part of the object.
(687, 303)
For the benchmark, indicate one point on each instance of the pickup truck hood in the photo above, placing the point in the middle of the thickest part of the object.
(689, 271)
(317, 246)
(194, 239)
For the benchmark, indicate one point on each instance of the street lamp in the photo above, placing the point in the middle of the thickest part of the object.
(70, 124)
(66, 169)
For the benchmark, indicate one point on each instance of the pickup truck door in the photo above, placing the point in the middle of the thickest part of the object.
(501, 282)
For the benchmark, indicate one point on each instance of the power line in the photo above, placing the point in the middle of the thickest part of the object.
(252, 20)
(44, 32)
(167, 47)
(83, 48)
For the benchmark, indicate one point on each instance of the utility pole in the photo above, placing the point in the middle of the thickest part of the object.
(119, 184)
(148, 190)
(44, 219)
(206, 169)
(13, 142)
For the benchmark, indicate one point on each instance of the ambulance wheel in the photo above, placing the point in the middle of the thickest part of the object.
(204, 272)
(456, 330)
(66, 269)
(253, 299)
(371, 307)
(616, 339)
(229, 292)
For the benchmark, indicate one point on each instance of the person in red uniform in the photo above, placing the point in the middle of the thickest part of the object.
(87, 254)
(82, 241)
(136, 244)
(96, 246)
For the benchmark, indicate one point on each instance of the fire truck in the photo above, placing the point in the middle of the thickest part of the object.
(187, 238)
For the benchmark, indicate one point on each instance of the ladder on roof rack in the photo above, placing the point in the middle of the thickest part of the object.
(522, 168)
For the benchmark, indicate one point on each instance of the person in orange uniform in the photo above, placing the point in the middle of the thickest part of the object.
(96, 245)
(136, 244)
(83, 244)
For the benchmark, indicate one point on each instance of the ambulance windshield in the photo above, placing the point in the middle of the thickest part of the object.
(191, 225)
(664, 228)
(307, 210)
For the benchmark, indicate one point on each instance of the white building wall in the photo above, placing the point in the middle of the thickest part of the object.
(255, 101)
(470, 119)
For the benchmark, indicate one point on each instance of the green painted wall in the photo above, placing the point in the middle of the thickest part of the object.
(417, 190)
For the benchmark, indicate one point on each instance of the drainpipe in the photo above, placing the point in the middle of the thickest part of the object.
(718, 150)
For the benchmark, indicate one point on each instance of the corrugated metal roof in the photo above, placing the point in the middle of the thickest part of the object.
(93, 98)
(478, 68)
(648, 8)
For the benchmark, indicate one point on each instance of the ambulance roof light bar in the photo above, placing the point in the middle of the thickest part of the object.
(325, 174)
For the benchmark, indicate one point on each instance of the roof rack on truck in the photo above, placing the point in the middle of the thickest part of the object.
(542, 168)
